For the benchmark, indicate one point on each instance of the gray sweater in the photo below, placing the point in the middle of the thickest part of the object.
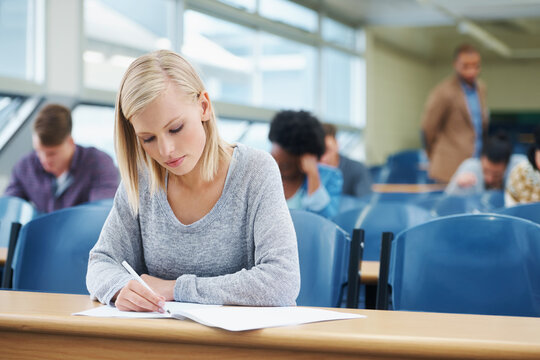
(242, 252)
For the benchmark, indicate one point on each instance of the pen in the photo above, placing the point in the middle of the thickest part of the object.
(138, 278)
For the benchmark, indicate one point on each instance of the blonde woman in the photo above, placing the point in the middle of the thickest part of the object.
(202, 220)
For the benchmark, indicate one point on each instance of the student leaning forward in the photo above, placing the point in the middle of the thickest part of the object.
(203, 221)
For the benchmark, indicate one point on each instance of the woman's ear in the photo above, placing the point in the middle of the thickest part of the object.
(206, 106)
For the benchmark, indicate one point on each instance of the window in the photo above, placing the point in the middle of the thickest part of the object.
(343, 88)
(93, 125)
(338, 33)
(287, 71)
(248, 5)
(223, 53)
(14, 110)
(257, 136)
(231, 130)
(289, 13)
(117, 32)
(21, 36)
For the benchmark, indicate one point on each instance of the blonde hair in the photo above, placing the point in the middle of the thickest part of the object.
(145, 80)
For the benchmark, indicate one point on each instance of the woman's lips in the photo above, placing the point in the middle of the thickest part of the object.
(175, 162)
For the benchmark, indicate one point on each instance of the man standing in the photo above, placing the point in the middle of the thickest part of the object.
(455, 117)
(59, 173)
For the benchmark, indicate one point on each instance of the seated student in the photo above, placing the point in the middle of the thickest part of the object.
(524, 181)
(356, 176)
(489, 172)
(59, 173)
(297, 145)
(202, 220)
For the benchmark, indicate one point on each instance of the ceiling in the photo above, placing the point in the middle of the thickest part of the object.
(432, 28)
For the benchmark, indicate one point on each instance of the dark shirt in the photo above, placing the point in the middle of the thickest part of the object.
(92, 176)
(356, 177)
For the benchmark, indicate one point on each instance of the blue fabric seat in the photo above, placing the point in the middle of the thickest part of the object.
(13, 209)
(323, 250)
(462, 204)
(475, 264)
(525, 211)
(381, 217)
(51, 254)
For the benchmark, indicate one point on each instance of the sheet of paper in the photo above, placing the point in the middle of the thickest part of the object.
(240, 318)
(232, 318)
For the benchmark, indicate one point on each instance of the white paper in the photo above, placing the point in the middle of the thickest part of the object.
(232, 318)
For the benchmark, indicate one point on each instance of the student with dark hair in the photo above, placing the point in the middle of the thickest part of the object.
(455, 116)
(524, 180)
(489, 172)
(59, 173)
(297, 145)
(356, 176)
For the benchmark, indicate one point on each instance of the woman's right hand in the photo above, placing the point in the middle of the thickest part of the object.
(135, 297)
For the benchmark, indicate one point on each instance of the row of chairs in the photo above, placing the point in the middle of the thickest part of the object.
(485, 263)
(476, 264)
(50, 253)
(404, 167)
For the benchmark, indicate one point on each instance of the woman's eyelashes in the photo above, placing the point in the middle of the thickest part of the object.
(177, 129)
(149, 139)
(172, 131)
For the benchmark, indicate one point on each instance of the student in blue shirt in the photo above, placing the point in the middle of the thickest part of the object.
(297, 145)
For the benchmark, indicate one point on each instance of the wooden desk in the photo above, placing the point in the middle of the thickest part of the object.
(369, 272)
(38, 325)
(3, 256)
(407, 188)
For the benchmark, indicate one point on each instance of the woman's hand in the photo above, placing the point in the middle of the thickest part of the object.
(135, 297)
(466, 180)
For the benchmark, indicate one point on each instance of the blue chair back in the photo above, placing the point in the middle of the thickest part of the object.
(525, 211)
(468, 204)
(475, 264)
(348, 202)
(378, 218)
(52, 252)
(323, 251)
(13, 209)
(408, 158)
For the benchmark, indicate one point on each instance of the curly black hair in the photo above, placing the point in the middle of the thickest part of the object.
(297, 132)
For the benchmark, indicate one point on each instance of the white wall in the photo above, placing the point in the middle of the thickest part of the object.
(397, 88)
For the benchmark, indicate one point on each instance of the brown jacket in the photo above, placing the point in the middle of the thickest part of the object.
(447, 127)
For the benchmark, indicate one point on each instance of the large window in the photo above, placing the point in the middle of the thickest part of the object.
(117, 32)
(21, 39)
(93, 125)
(255, 57)
(223, 52)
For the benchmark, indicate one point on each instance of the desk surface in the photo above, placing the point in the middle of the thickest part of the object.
(407, 188)
(3, 256)
(39, 325)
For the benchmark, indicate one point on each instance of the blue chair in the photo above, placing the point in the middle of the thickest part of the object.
(408, 158)
(525, 211)
(348, 202)
(323, 250)
(381, 217)
(475, 264)
(13, 209)
(467, 204)
(108, 202)
(52, 251)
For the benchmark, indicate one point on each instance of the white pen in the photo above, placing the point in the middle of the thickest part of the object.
(138, 278)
